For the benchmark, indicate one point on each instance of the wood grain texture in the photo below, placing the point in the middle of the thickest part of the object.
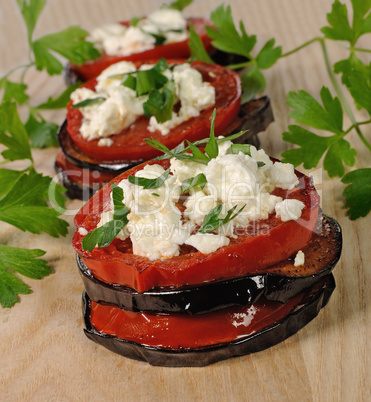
(44, 354)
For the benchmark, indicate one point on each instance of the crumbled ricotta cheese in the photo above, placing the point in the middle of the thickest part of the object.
(299, 259)
(289, 209)
(119, 40)
(207, 242)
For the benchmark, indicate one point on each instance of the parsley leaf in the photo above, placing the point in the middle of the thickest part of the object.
(15, 91)
(89, 102)
(7, 179)
(148, 80)
(339, 24)
(361, 21)
(24, 262)
(160, 104)
(268, 55)
(244, 148)
(340, 28)
(25, 207)
(68, 43)
(42, 133)
(196, 46)
(103, 236)
(199, 180)
(356, 76)
(252, 82)
(197, 155)
(13, 134)
(309, 112)
(212, 220)
(180, 4)
(31, 10)
(149, 183)
(61, 101)
(358, 193)
(211, 147)
(226, 37)
(314, 146)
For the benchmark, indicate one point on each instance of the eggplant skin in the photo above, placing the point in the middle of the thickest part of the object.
(247, 290)
(309, 307)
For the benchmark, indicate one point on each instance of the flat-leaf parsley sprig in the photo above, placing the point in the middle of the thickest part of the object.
(327, 115)
(25, 204)
(44, 54)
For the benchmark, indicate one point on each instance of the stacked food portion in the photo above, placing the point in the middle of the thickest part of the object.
(164, 33)
(143, 86)
(109, 118)
(213, 250)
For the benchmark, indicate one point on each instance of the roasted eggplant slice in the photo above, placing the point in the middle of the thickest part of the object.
(178, 340)
(279, 283)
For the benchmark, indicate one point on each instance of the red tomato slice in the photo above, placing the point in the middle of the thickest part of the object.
(182, 331)
(178, 50)
(129, 145)
(263, 243)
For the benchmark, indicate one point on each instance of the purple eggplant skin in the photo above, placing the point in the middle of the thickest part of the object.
(217, 295)
(192, 300)
(254, 116)
(301, 315)
(80, 160)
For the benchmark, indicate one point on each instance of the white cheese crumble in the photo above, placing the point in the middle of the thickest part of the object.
(289, 209)
(119, 106)
(120, 40)
(83, 231)
(207, 242)
(105, 142)
(157, 228)
(299, 259)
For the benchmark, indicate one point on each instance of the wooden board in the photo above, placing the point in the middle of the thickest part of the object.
(44, 354)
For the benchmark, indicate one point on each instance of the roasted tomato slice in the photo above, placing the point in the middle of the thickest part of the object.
(178, 50)
(129, 145)
(263, 243)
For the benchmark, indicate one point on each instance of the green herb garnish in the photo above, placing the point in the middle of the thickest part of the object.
(179, 4)
(237, 148)
(103, 236)
(212, 220)
(161, 103)
(89, 102)
(25, 198)
(199, 180)
(149, 183)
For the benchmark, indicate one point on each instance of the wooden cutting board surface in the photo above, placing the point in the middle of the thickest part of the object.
(44, 354)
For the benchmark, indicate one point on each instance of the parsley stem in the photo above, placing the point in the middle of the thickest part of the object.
(341, 96)
(13, 70)
(241, 65)
(309, 42)
(359, 49)
(356, 125)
